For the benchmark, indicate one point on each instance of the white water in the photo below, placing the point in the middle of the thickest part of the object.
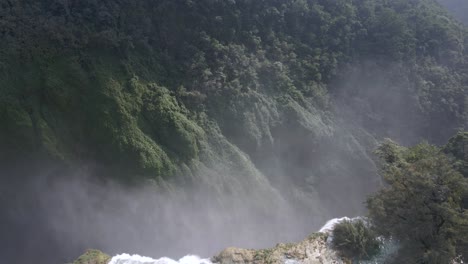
(192, 259)
(328, 227)
(137, 259)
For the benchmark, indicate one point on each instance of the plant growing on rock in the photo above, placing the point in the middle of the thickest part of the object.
(355, 239)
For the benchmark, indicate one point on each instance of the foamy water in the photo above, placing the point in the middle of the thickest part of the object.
(137, 259)
(328, 227)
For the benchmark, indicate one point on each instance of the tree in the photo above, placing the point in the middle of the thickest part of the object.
(457, 150)
(422, 204)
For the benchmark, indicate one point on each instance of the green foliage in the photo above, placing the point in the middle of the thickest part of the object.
(457, 149)
(125, 83)
(355, 239)
(422, 204)
(169, 123)
(154, 89)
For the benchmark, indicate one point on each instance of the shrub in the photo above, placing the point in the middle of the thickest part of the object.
(354, 239)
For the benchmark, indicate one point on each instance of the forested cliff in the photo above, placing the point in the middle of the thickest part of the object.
(217, 104)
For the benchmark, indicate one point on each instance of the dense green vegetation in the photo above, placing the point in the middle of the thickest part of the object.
(240, 97)
(457, 151)
(355, 240)
(76, 76)
(424, 206)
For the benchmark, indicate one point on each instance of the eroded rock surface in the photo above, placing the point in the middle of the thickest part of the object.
(312, 250)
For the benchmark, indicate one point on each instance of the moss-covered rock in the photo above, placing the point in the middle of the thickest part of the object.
(93, 256)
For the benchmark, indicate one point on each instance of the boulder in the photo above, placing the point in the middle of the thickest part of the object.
(93, 256)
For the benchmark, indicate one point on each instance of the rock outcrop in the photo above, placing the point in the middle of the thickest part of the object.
(93, 256)
(312, 250)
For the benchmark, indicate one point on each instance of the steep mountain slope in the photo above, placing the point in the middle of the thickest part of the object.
(261, 108)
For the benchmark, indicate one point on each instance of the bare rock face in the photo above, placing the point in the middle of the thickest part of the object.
(233, 255)
(312, 250)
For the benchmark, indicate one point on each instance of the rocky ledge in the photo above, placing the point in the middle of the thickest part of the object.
(312, 250)
(93, 256)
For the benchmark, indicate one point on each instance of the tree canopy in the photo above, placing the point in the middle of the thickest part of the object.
(422, 205)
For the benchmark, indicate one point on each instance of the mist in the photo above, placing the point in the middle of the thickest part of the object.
(54, 214)
(167, 128)
(458, 8)
(384, 99)
(55, 219)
